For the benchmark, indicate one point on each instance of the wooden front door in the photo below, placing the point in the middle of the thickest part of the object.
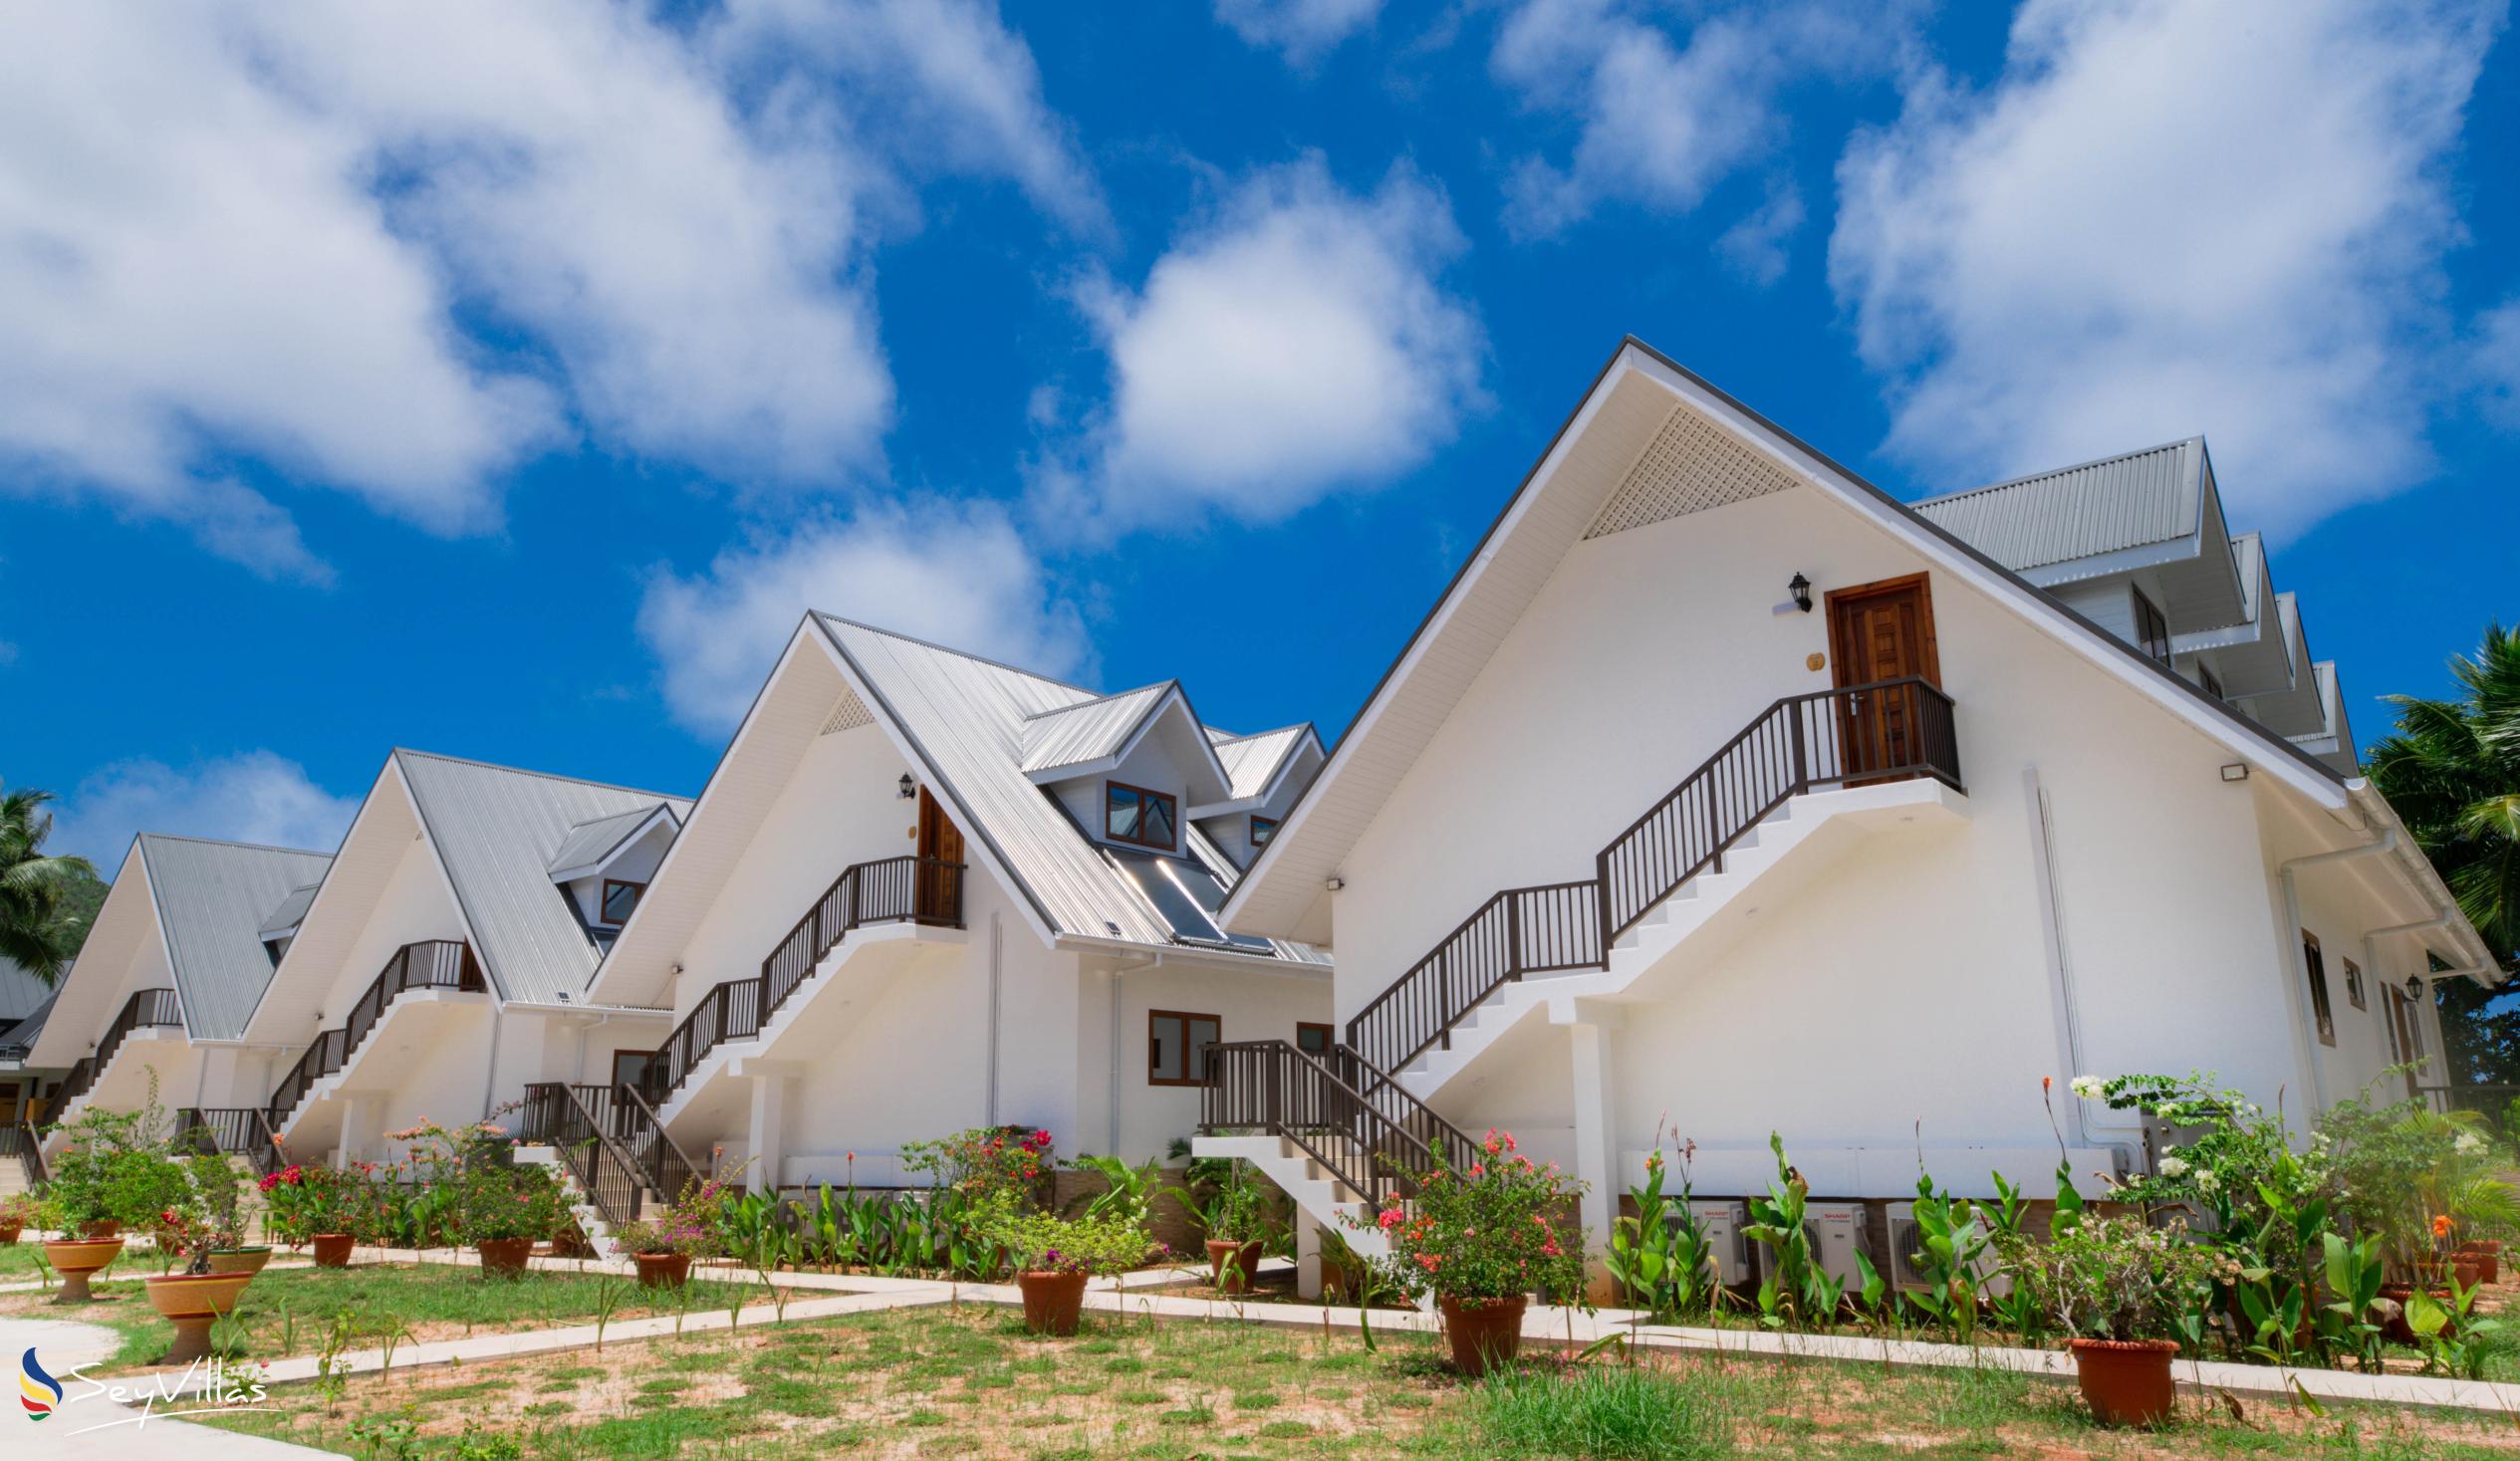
(1881, 631)
(939, 863)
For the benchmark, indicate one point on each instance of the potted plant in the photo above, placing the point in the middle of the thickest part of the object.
(663, 1247)
(1482, 1241)
(216, 1191)
(1053, 1256)
(75, 1256)
(325, 1208)
(114, 1171)
(2117, 1290)
(1234, 1224)
(501, 1207)
(194, 1298)
(17, 1213)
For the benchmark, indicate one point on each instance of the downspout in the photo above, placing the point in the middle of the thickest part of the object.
(1113, 1146)
(997, 982)
(2297, 961)
(490, 1072)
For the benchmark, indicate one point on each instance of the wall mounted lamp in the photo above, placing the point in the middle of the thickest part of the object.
(910, 786)
(1800, 588)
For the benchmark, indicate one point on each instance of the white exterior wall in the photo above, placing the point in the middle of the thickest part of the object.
(1248, 1006)
(417, 906)
(634, 863)
(1912, 985)
(1157, 763)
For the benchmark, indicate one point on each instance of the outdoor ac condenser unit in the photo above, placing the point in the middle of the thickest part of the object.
(1905, 1242)
(1722, 1223)
(1836, 1232)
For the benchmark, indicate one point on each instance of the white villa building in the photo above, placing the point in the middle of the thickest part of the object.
(925, 891)
(1721, 795)
(160, 993)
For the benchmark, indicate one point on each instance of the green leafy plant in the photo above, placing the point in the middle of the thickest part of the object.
(2116, 1278)
(1660, 1258)
(1490, 1231)
(115, 1166)
(1228, 1202)
(496, 1197)
(689, 1227)
(1041, 1242)
(1797, 1292)
(1129, 1193)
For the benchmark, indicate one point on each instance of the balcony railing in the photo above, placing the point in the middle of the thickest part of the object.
(157, 1008)
(235, 1131)
(433, 964)
(1352, 1118)
(610, 1141)
(904, 889)
(19, 1142)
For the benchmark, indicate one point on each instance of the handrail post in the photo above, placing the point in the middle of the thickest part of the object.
(1802, 751)
(1514, 936)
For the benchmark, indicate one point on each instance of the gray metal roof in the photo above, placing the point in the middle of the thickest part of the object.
(495, 829)
(591, 842)
(1251, 762)
(21, 993)
(21, 1037)
(291, 913)
(211, 898)
(2130, 501)
(971, 718)
(1089, 730)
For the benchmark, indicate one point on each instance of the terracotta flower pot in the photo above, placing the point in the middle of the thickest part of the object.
(1242, 1258)
(2402, 1329)
(2126, 1381)
(662, 1270)
(1484, 1332)
(1052, 1301)
(246, 1261)
(101, 1229)
(78, 1261)
(2488, 1255)
(331, 1250)
(505, 1256)
(9, 1236)
(190, 1301)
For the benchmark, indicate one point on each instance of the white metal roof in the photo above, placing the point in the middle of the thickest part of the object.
(1089, 731)
(2135, 498)
(1252, 762)
(589, 844)
(291, 913)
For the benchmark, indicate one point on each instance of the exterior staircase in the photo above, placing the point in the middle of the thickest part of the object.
(612, 1150)
(146, 1008)
(433, 964)
(21, 1160)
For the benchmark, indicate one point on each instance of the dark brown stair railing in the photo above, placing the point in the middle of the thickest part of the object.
(430, 964)
(566, 1120)
(1354, 1119)
(20, 1140)
(232, 1130)
(1883, 731)
(147, 1008)
(889, 891)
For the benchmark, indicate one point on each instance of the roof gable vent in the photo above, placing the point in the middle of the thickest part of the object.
(1689, 466)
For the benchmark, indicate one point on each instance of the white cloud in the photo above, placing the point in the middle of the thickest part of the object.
(1302, 31)
(2163, 219)
(396, 249)
(1759, 246)
(1296, 343)
(254, 796)
(957, 572)
(1661, 119)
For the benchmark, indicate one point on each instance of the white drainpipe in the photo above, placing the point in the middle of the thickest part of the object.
(2295, 996)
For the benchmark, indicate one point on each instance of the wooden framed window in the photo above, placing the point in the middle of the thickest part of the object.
(629, 1068)
(1139, 815)
(1263, 828)
(1178, 1045)
(2151, 630)
(618, 900)
(2316, 963)
(2208, 681)
(2354, 985)
(1314, 1039)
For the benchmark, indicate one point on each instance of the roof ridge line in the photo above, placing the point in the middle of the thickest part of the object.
(607, 786)
(1274, 730)
(223, 841)
(1163, 684)
(2026, 478)
(859, 624)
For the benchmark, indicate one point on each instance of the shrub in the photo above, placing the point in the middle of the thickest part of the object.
(2114, 1277)
(689, 1227)
(1487, 1233)
(496, 1198)
(1604, 1411)
(115, 1167)
(304, 1202)
(1041, 1242)
(984, 1162)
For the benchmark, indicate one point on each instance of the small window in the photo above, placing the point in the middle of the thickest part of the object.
(1313, 1039)
(2151, 630)
(1263, 828)
(618, 898)
(2354, 985)
(1137, 814)
(629, 1068)
(2316, 963)
(2211, 683)
(1179, 1047)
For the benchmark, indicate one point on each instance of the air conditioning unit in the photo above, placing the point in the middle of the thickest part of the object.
(1906, 1241)
(1722, 1223)
(1834, 1231)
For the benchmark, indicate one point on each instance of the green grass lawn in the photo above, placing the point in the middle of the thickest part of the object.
(288, 1312)
(967, 1382)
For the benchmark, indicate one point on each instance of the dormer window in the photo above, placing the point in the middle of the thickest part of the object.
(1262, 828)
(618, 900)
(2152, 629)
(1140, 817)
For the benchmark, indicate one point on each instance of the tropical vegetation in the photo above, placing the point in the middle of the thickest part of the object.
(47, 900)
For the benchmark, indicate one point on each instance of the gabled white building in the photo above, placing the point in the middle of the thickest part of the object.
(439, 965)
(162, 987)
(923, 891)
(1721, 793)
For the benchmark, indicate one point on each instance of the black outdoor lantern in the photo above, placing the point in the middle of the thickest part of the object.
(1801, 589)
(909, 788)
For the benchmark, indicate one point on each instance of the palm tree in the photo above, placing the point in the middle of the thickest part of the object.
(2452, 770)
(33, 887)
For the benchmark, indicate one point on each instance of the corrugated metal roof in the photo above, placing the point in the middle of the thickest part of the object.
(1251, 762)
(2142, 497)
(971, 718)
(593, 841)
(21, 993)
(495, 829)
(291, 911)
(1089, 730)
(211, 899)
(21, 1037)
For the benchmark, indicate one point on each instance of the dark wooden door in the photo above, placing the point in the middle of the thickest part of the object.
(2402, 1036)
(939, 863)
(1881, 631)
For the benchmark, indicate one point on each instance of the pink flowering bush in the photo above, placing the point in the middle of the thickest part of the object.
(304, 1202)
(1491, 1232)
(984, 1163)
(496, 1197)
(689, 1228)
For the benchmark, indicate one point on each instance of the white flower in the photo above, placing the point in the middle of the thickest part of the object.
(2207, 1181)
(2089, 1088)
(2468, 1144)
(2173, 1167)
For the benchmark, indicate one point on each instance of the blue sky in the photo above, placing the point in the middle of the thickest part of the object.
(506, 386)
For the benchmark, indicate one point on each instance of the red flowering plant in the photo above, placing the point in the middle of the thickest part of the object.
(984, 1163)
(301, 1202)
(1490, 1231)
(496, 1197)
